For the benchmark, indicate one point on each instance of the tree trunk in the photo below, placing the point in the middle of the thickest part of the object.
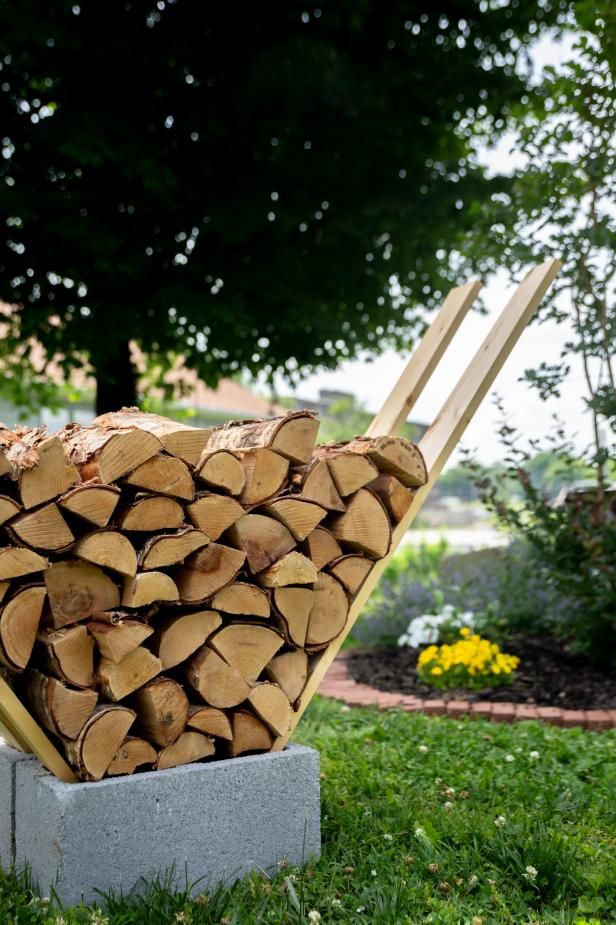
(116, 381)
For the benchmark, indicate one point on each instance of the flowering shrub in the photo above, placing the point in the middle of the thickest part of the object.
(436, 627)
(470, 662)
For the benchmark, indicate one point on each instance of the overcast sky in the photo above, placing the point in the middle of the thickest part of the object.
(372, 381)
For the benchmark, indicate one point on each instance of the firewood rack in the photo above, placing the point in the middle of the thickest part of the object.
(17, 725)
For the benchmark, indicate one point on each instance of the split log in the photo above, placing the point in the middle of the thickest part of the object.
(77, 590)
(221, 470)
(42, 469)
(365, 527)
(19, 624)
(250, 734)
(177, 637)
(107, 453)
(15, 562)
(271, 704)
(109, 549)
(322, 547)
(210, 721)
(351, 571)
(265, 473)
(396, 498)
(350, 471)
(181, 440)
(314, 482)
(164, 475)
(133, 753)
(68, 654)
(91, 502)
(214, 514)
(44, 528)
(207, 571)
(8, 439)
(171, 548)
(246, 647)
(191, 746)
(291, 435)
(292, 569)
(117, 680)
(263, 540)
(290, 672)
(148, 588)
(151, 512)
(392, 455)
(330, 609)
(219, 684)
(299, 516)
(59, 708)
(242, 599)
(162, 711)
(4, 587)
(99, 740)
(294, 605)
(117, 638)
(8, 508)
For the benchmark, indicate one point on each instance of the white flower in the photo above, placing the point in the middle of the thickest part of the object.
(361, 909)
(450, 792)
(373, 872)
(447, 805)
(97, 917)
(423, 749)
(531, 872)
(438, 781)
(314, 916)
(509, 758)
(500, 821)
(336, 902)
(519, 749)
(388, 837)
(534, 756)
(419, 832)
(345, 708)
(473, 881)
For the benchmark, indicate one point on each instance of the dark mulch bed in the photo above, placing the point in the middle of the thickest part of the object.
(549, 675)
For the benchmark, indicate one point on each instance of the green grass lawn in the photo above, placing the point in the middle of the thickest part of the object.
(424, 820)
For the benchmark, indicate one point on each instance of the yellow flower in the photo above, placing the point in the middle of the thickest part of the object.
(465, 631)
(436, 670)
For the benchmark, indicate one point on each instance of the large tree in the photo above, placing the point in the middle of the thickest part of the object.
(240, 184)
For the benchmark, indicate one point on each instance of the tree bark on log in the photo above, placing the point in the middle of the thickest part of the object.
(181, 440)
(107, 453)
(292, 435)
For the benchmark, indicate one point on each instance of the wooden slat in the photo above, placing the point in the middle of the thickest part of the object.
(30, 736)
(439, 441)
(424, 360)
(10, 735)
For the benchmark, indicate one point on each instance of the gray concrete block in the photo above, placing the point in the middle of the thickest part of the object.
(210, 822)
(9, 758)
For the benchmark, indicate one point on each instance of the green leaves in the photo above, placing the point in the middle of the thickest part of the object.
(271, 192)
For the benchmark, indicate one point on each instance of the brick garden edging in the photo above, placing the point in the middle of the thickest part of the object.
(338, 684)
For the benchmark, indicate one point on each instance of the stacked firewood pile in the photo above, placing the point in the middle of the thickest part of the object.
(166, 590)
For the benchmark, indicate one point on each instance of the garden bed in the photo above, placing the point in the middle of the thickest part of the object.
(549, 675)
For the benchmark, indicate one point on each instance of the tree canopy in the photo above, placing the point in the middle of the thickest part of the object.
(259, 188)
